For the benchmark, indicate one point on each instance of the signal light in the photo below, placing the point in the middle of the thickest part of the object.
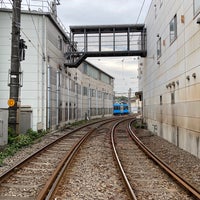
(11, 102)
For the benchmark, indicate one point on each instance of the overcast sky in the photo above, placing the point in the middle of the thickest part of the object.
(100, 12)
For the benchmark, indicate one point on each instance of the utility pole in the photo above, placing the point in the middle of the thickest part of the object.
(15, 71)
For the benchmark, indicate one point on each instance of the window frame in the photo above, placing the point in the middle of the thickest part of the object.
(85, 91)
(60, 43)
(172, 97)
(161, 100)
(196, 11)
(173, 33)
(159, 49)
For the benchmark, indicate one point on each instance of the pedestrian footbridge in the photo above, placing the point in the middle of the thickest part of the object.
(105, 41)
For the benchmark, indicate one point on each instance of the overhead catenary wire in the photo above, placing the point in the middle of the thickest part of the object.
(38, 37)
(2, 2)
(140, 11)
(26, 3)
(21, 29)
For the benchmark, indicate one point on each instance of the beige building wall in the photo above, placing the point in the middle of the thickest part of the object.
(169, 76)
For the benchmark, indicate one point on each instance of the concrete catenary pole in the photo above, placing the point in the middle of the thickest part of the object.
(15, 72)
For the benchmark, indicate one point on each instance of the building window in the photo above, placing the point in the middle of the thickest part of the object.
(196, 6)
(159, 48)
(85, 91)
(173, 29)
(79, 89)
(72, 85)
(99, 94)
(161, 100)
(93, 93)
(59, 43)
(85, 68)
(172, 98)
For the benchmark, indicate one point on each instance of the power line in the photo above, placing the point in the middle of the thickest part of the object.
(140, 12)
(42, 48)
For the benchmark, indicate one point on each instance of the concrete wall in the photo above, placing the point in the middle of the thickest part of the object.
(175, 73)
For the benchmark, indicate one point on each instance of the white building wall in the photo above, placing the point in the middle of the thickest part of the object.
(5, 43)
(33, 92)
(49, 89)
(177, 122)
(32, 31)
(95, 104)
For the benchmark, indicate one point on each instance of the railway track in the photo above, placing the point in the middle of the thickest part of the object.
(195, 192)
(25, 179)
(146, 179)
(80, 165)
(92, 173)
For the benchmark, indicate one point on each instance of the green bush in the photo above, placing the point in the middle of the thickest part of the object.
(138, 124)
(22, 141)
(16, 142)
(11, 135)
(33, 134)
(77, 123)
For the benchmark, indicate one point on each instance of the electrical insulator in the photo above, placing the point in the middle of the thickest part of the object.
(22, 47)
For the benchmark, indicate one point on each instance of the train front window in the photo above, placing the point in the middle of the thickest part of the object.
(125, 107)
(116, 108)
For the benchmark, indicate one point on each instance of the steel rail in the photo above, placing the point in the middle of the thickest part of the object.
(52, 183)
(194, 191)
(48, 190)
(20, 164)
(130, 189)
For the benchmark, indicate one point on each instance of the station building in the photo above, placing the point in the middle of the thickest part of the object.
(169, 77)
(51, 95)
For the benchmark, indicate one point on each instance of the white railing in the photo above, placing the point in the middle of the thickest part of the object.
(44, 6)
(36, 5)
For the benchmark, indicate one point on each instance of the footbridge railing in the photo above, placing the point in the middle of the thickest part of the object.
(104, 41)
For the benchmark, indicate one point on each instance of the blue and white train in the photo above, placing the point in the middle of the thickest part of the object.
(120, 109)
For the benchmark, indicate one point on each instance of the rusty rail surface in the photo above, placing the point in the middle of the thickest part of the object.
(194, 191)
